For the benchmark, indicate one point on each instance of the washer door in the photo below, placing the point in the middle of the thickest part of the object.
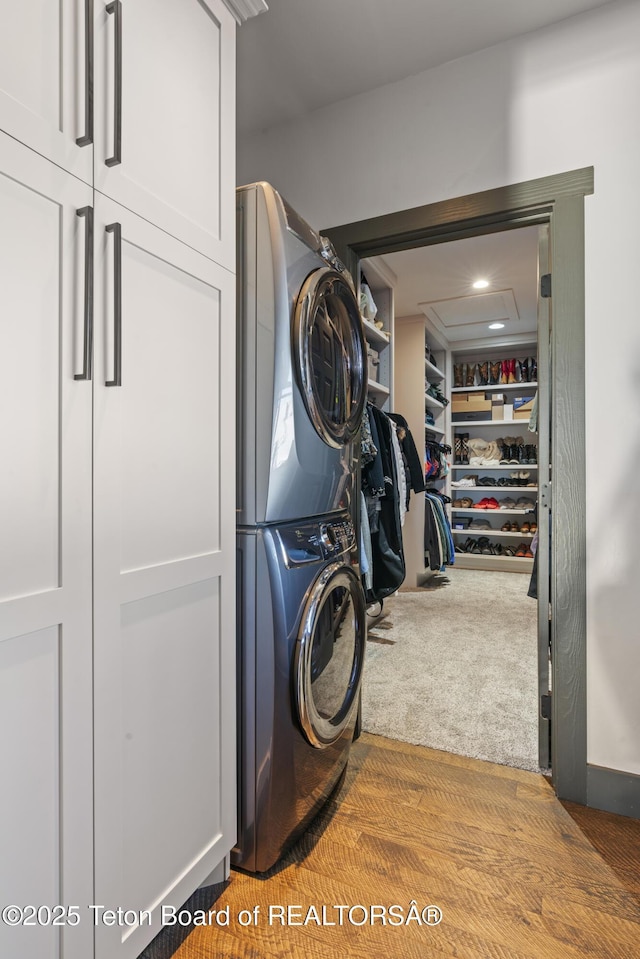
(330, 655)
(330, 350)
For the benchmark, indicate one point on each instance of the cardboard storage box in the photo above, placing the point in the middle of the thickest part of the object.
(479, 405)
(522, 407)
(471, 416)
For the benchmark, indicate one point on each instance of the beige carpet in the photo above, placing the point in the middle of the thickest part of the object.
(458, 669)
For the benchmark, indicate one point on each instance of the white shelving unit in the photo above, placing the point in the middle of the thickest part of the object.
(381, 280)
(491, 429)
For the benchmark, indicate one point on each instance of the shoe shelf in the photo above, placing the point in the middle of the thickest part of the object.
(504, 466)
(485, 512)
(489, 532)
(500, 490)
(433, 403)
(432, 372)
(497, 564)
(495, 387)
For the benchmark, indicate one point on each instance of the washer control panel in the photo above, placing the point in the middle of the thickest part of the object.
(313, 541)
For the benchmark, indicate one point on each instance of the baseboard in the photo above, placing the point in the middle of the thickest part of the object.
(613, 791)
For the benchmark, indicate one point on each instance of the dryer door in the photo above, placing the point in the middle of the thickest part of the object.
(330, 352)
(330, 655)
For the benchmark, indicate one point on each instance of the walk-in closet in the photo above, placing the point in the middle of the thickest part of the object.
(454, 660)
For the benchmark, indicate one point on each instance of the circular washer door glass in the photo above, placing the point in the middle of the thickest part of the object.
(330, 349)
(330, 655)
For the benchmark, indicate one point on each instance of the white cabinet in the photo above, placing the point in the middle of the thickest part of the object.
(45, 79)
(163, 563)
(147, 87)
(165, 92)
(46, 817)
(117, 490)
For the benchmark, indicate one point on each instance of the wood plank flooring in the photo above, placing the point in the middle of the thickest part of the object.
(516, 874)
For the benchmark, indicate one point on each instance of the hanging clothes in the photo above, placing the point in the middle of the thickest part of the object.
(383, 489)
(439, 549)
(411, 455)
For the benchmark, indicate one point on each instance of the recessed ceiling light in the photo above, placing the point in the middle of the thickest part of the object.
(496, 326)
(480, 284)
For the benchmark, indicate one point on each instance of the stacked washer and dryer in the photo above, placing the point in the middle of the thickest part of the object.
(301, 608)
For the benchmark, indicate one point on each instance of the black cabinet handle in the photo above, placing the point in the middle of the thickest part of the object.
(87, 137)
(87, 213)
(116, 229)
(115, 7)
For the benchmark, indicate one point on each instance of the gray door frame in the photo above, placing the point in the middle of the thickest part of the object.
(559, 201)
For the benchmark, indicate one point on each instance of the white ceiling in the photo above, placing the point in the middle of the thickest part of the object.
(437, 281)
(305, 54)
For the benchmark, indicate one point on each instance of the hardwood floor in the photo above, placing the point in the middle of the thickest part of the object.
(516, 874)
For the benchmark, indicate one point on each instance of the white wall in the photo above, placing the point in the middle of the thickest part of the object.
(552, 101)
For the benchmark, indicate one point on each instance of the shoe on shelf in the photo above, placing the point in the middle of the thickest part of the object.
(487, 481)
(525, 503)
(479, 524)
(522, 550)
(506, 527)
(470, 375)
(525, 528)
(533, 527)
(483, 373)
(458, 373)
(508, 503)
(457, 450)
(528, 554)
(465, 449)
(495, 369)
(466, 502)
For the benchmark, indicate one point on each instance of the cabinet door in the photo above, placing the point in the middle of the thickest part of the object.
(175, 82)
(44, 80)
(46, 823)
(164, 541)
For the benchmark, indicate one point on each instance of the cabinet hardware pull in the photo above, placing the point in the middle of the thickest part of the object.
(87, 213)
(115, 7)
(116, 229)
(87, 138)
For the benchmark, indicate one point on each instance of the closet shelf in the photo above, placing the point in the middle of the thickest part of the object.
(375, 387)
(489, 532)
(505, 466)
(461, 424)
(432, 372)
(498, 490)
(501, 511)
(432, 402)
(523, 564)
(433, 429)
(495, 388)
(373, 334)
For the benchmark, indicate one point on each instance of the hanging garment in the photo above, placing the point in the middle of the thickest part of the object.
(366, 557)
(438, 539)
(386, 541)
(410, 451)
(399, 472)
